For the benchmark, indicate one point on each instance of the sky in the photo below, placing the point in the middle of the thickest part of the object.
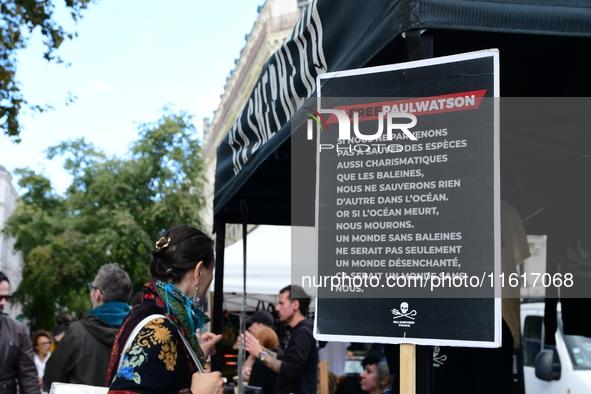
(130, 59)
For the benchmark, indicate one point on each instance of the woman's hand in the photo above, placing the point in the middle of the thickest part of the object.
(207, 383)
(207, 342)
(246, 373)
(247, 367)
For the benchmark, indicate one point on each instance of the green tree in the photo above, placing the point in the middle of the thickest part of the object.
(18, 18)
(112, 212)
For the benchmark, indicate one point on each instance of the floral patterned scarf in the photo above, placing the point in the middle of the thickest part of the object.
(160, 297)
(181, 306)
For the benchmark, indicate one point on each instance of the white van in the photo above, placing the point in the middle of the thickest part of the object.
(564, 369)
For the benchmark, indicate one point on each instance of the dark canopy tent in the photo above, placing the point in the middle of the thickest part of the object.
(545, 51)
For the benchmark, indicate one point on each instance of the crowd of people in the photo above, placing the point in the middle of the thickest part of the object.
(156, 346)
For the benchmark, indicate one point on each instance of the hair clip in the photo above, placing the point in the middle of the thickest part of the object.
(169, 270)
(165, 240)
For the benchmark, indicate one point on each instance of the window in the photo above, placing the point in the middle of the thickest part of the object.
(532, 339)
(579, 348)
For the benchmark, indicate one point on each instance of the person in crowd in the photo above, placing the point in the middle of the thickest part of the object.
(375, 378)
(83, 354)
(58, 332)
(17, 367)
(297, 368)
(260, 375)
(41, 345)
(333, 382)
(157, 349)
(257, 321)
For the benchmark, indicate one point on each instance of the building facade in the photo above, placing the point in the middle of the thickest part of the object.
(275, 21)
(10, 260)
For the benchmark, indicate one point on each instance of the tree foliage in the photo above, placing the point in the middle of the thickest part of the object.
(112, 212)
(18, 18)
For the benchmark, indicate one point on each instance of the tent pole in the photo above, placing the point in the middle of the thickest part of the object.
(218, 294)
(241, 350)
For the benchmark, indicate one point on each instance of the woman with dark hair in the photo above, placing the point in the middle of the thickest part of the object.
(41, 344)
(157, 349)
(375, 378)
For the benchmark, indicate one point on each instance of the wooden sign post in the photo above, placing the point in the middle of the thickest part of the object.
(408, 366)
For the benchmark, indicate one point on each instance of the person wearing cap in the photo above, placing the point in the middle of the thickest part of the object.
(259, 320)
(261, 375)
(297, 368)
(254, 323)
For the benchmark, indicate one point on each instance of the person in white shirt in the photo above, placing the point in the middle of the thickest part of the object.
(41, 344)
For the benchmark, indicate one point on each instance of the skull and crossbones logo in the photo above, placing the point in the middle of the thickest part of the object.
(403, 312)
(579, 256)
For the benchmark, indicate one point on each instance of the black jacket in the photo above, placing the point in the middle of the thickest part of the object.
(263, 376)
(299, 364)
(16, 358)
(82, 356)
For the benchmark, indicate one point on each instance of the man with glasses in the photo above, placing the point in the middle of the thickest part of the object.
(16, 351)
(82, 356)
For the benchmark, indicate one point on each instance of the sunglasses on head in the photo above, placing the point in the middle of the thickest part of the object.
(5, 297)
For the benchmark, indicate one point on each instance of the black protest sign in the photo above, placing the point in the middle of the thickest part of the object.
(408, 202)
